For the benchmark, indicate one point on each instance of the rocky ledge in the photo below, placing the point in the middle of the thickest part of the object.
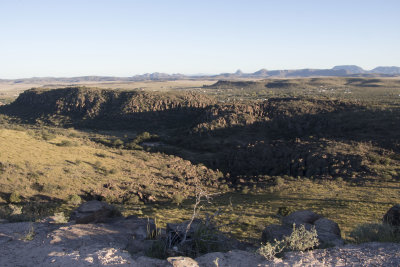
(107, 244)
(98, 236)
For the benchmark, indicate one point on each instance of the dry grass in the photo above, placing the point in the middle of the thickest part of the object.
(32, 166)
(346, 203)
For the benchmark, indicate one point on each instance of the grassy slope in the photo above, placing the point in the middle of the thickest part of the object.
(34, 166)
(61, 170)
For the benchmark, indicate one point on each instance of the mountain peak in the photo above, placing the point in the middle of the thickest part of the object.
(239, 72)
(350, 69)
(386, 70)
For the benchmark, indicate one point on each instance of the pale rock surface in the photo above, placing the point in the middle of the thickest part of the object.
(104, 245)
(93, 212)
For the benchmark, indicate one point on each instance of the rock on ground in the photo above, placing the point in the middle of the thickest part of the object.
(328, 231)
(392, 216)
(105, 245)
(93, 212)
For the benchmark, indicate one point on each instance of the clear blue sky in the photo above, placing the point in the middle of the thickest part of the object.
(124, 38)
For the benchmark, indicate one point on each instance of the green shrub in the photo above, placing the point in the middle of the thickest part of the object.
(15, 210)
(245, 190)
(224, 187)
(118, 143)
(112, 171)
(74, 199)
(133, 146)
(134, 199)
(30, 234)
(302, 239)
(375, 232)
(158, 249)
(47, 136)
(204, 240)
(177, 199)
(97, 164)
(284, 211)
(14, 197)
(59, 217)
(279, 181)
(66, 143)
(270, 250)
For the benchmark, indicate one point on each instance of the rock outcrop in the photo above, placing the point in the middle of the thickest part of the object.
(392, 216)
(94, 212)
(327, 230)
(106, 244)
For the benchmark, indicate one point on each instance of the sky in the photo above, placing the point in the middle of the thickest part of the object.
(123, 38)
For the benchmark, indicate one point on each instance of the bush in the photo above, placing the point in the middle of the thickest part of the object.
(279, 181)
(15, 210)
(284, 211)
(112, 171)
(301, 239)
(14, 198)
(66, 143)
(177, 199)
(59, 217)
(224, 187)
(269, 251)
(74, 199)
(245, 190)
(134, 199)
(375, 232)
(47, 136)
(30, 234)
(118, 143)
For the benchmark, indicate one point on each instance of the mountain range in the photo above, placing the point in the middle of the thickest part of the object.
(342, 71)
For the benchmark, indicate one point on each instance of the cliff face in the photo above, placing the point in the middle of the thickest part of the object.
(300, 137)
(198, 112)
(87, 102)
(94, 107)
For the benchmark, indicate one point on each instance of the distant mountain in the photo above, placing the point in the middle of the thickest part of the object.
(351, 69)
(262, 72)
(342, 71)
(387, 70)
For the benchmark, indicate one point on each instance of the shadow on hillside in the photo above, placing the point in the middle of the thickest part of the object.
(292, 144)
(297, 143)
(29, 209)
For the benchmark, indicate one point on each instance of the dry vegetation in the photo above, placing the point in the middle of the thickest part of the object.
(330, 145)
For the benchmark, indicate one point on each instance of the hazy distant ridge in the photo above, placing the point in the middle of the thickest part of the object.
(342, 71)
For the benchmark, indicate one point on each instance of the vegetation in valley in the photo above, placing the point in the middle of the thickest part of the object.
(263, 148)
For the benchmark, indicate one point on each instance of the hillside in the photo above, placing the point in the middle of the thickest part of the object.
(278, 136)
(259, 149)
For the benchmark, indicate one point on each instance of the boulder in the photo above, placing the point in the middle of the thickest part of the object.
(176, 231)
(275, 231)
(326, 225)
(327, 230)
(94, 212)
(301, 217)
(392, 216)
(182, 262)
